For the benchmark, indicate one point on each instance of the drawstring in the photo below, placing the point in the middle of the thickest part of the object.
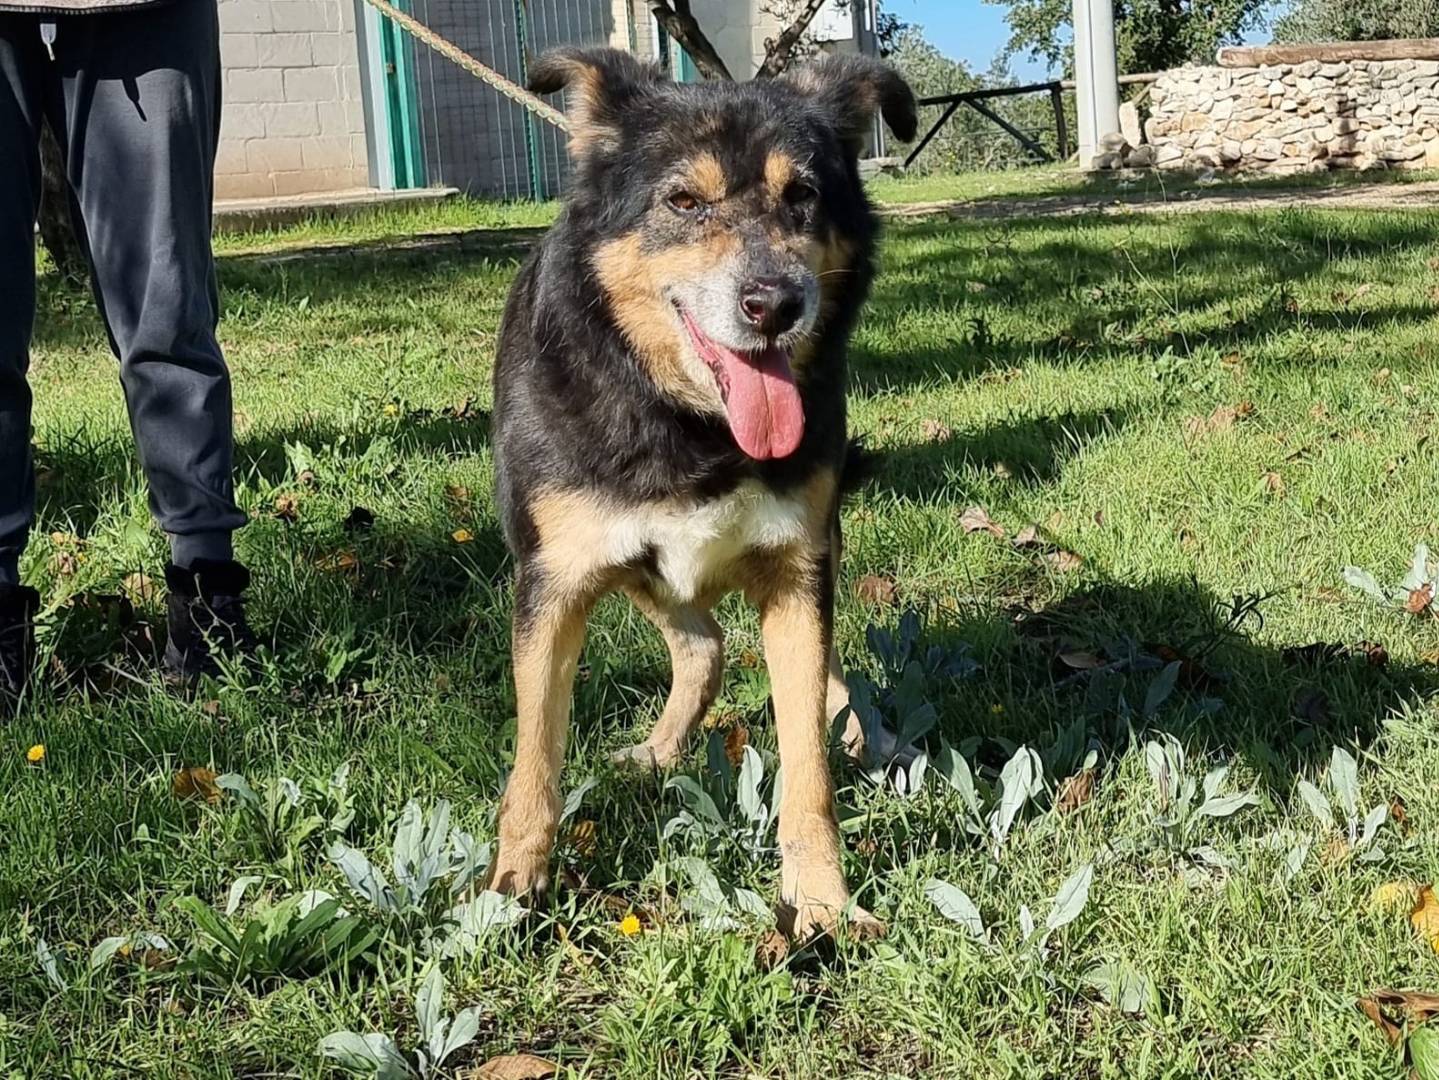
(47, 35)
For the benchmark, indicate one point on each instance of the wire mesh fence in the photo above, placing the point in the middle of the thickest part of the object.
(472, 138)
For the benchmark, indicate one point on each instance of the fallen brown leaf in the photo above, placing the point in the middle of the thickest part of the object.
(735, 740)
(1420, 599)
(771, 951)
(140, 589)
(1027, 537)
(935, 430)
(287, 508)
(1221, 419)
(1393, 1010)
(873, 589)
(512, 1067)
(1064, 561)
(210, 708)
(1398, 812)
(582, 838)
(977, 519)
(196, 783)
(1424, 916)
(1273, 483)
(1075, 792)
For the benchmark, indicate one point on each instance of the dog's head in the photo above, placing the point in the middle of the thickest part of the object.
(723, 220)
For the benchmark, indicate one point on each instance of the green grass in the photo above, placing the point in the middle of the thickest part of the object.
(1047, 370)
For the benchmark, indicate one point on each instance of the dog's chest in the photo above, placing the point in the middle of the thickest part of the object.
(695, 547)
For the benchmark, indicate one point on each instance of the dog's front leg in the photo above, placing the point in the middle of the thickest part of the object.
(796, 620)
(549, 630)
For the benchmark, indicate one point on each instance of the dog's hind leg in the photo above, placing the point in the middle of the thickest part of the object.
(696, 645)
(549, 631)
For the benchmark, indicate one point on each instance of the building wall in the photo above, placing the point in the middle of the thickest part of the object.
(293, 119)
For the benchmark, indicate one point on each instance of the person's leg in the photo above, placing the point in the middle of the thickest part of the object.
(20, 112)
(141, 120)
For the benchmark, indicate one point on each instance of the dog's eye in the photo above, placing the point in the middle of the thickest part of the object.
(800, 194)
(683, 202)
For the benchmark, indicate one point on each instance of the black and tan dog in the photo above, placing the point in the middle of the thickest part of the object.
(670, 417)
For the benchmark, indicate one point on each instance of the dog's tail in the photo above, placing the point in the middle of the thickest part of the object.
(861, 465)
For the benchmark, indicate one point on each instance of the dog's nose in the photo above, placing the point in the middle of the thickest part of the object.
(771, 305)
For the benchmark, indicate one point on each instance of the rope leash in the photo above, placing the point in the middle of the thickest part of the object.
(487, 75)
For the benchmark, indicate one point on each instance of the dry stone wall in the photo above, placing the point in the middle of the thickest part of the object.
(1294, 117)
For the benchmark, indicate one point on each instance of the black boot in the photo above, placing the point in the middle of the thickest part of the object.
(18, 605)
(207, 619)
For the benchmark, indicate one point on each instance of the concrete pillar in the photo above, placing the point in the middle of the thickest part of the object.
(1096, 79)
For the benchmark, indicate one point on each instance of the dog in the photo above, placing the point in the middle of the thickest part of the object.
(669, 419)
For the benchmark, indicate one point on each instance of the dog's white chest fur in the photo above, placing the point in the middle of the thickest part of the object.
(694, 545)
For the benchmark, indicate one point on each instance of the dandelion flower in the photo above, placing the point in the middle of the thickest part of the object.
(630, 925)
(35, 754)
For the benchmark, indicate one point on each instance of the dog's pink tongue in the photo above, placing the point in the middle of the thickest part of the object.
(765, 413)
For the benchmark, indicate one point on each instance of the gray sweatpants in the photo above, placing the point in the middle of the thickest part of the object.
(135, 100)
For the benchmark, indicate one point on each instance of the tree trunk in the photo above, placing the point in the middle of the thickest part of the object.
(679, 23)
(779, 51)
(57, 231)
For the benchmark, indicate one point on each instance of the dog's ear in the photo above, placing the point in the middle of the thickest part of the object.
(601, 83)
(855, 89)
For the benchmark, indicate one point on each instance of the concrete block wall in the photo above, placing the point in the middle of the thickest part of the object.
(293, 119)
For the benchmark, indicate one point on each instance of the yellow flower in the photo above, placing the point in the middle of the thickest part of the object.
(35, 754)
(630, 925)
(462, 536)
(391, 409)
(997, 709)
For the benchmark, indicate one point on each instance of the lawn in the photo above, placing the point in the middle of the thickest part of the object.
(1207, 417)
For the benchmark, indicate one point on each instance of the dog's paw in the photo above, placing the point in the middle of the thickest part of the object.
(810, 920)
(519, 874)
(646, 757)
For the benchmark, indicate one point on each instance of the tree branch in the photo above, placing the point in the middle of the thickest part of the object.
(779, 51)
(680, 24)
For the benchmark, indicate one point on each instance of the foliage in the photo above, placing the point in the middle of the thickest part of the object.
(1151, 35)
(434, 867)
(378, 1055)
(1357, 20)
(302, 936)
(282, 816)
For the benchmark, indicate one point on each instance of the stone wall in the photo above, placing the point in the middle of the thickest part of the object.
(1296, 118)
(293, 119)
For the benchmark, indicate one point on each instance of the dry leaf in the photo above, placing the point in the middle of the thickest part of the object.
(1273, 483)
(771, 950)
(935, 430)
(211, 707)
(140, 589)
(1393, 896)
(512, 1067)
(339, 562)
(1027, 537)
(1064, 561)
(1424, 916)
(462, 536)
(1420, 599)
(457, 493)
(1393, 1010)
(287, 508)
(735, 740)
(196, 783)
(1080, 660)
(1075, 792)
(1221, 419)
(1398, 812)
(873, 589)
(582, 838)
(977, 519)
